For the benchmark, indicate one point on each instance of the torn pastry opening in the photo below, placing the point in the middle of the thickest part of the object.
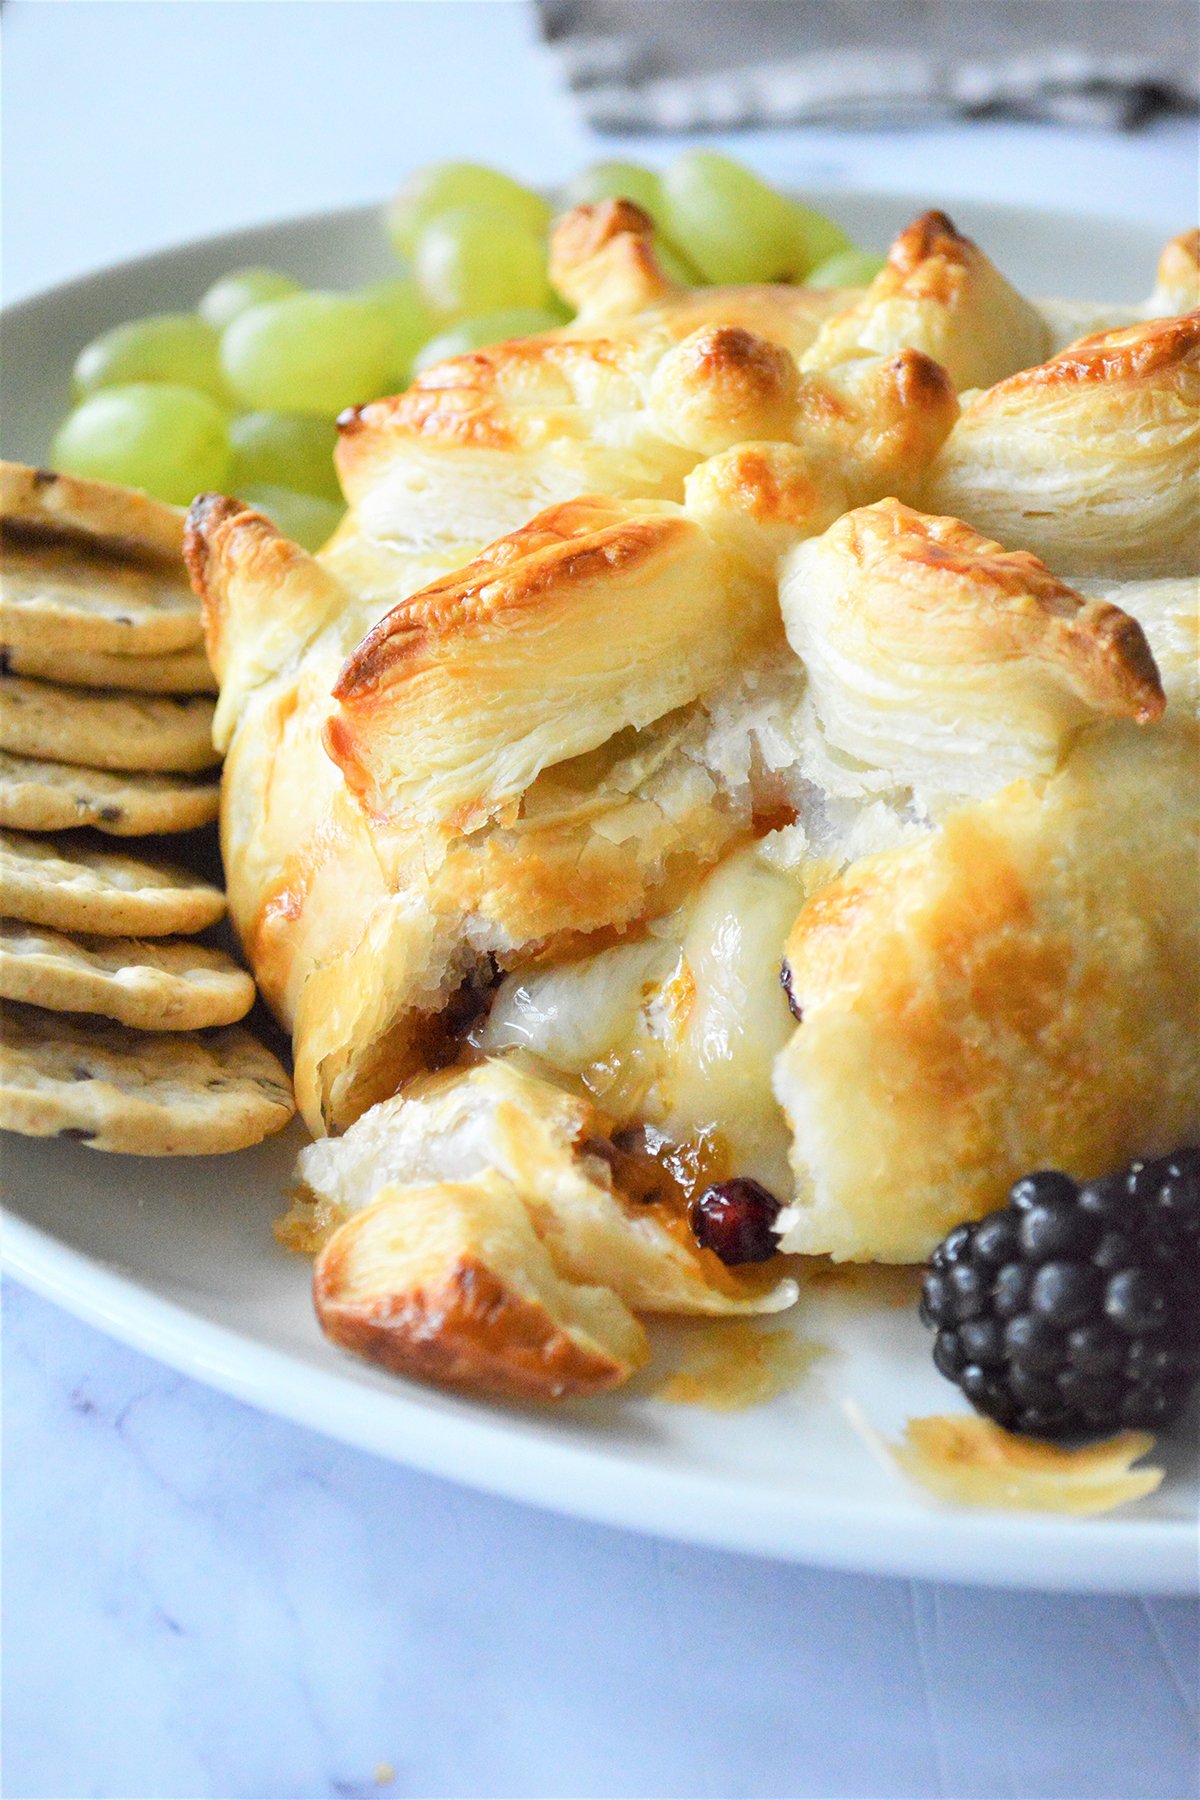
(501, 1177)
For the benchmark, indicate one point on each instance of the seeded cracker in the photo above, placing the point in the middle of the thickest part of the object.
(178, 672)
(163, 985)
(88, 566)
(72, 884)
(36, 795)
(146, 1094)
(164, 732)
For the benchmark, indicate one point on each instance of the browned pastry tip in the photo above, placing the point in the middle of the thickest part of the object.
(602, 260)
(1177, 287)
(581, 233)
(1132, 353)
(1018, 606)
(225, 539)
(723, 385)
(897, 412)
(938, 292)
(262, 598)
(933, 233)
(205, 517)
(911, 385)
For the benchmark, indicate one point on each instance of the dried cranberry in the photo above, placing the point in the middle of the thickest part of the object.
(736, 1219)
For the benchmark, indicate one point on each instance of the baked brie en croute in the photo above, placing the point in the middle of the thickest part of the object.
(744, 734)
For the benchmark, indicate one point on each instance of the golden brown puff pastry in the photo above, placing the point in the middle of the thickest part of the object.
(603, 264)
(366, 938)
(263, 604)
(595, 622)
(1168, 612)
(361, 931)
(581, 778)
(1090, 460)
(585, 568)
(386, 921)
(596, 747)
(643, 385)
(597, 616)
(865, 429)
(452, 1283)
(1018, 989)
(500, 1114)
(938, 293)
(954, 664)
(1177, 288)
(650, 379)
(478, 445)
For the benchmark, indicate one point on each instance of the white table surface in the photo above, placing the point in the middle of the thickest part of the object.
(202, 1601)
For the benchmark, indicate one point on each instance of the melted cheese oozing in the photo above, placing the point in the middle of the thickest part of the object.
(587, 1018)
(680, 1029)
(738, 1020)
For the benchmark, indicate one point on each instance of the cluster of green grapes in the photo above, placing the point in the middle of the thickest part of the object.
(242, 394)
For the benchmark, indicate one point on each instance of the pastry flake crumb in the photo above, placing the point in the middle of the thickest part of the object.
(974, 1462)
(309, 1222)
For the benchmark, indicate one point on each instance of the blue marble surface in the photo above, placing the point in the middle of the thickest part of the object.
(200, 1600)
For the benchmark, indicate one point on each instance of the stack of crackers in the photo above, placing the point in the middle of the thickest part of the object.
(120, 1029)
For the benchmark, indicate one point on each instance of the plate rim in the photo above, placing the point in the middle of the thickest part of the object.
(472, 1444)
(1039, 1552)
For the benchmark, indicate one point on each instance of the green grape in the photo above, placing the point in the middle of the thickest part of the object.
(305, 518)
(849, 268)
(284, 450)
(489, 328)
(411, 324)
(732, 225)
(441, 187)
(167, 439)
(735, 228)
(176, 347)
(818, 240)
(241, 288)
(674, 265)
(471, 261)
(618, 181)
(308, 353)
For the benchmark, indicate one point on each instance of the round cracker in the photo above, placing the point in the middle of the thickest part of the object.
(179, 672)
(65, 593)
(47, 796)
(144, 1093)
(168, 732)
(166, 985)
(122, 517)
(73, 884)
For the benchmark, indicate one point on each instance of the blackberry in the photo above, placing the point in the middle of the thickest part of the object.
(1075, 1309)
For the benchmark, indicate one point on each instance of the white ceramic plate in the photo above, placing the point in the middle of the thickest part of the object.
(177, 1258)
